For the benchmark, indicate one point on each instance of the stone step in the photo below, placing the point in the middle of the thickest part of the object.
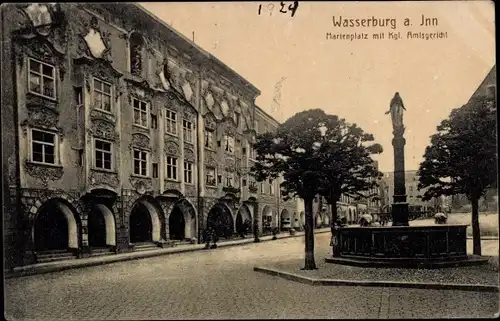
(55, 258)
(43, 252)
(101, 250)
(145, 246)
(94, 253)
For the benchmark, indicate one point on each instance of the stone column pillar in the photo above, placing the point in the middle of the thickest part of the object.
(399, 206)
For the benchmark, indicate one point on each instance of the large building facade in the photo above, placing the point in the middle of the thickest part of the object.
(118, 133)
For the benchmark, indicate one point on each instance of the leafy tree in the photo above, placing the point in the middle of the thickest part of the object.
(347, 167)
(311, 158)
(462, 157)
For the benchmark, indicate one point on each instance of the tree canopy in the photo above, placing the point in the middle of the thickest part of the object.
(318, 154)
(462, 155)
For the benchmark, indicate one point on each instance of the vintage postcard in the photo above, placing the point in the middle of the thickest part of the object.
(249, 160)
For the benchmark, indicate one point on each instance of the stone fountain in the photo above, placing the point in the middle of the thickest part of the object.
(402, 245)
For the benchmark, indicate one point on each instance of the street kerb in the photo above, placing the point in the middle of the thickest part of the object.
(58, 266)
(369, 283)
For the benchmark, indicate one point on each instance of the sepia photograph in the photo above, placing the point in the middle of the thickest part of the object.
(249, 160)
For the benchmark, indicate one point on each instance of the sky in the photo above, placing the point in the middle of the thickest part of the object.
(354, 79)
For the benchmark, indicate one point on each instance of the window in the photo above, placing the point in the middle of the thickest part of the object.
(140, 162)
(210, 176)
(237, 120)
(171, 122)
(262, 187)
(43, 147)
(188, 172)
(140, 113)
(154, 121)
(229, 180)
(102, 95)
(208, 139)
(136, 46)
(219, 179)
(271, 187)
(103, 153)
(188, 131)
(155, 170)
(172, 168)
(42, 78)
(228, 144)
(78, 92)
(244, 182)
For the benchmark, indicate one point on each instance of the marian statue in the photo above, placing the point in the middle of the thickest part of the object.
(396, 110)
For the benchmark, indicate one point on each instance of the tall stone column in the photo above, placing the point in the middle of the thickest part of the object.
(399, 206)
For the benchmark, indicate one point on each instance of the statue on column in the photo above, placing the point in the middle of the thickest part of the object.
(396, 110)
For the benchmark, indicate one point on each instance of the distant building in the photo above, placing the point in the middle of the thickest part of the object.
(413, 195)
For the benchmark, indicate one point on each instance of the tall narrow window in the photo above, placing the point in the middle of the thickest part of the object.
(141, 113)
(103, 154)
(271, 187)
(42, 78)
(188, 131)
(154, 122)
(78, 92)
(171, 122)
(136, 48)
(155, 170)
(209, 139)
(188, 172)
(172, 168)
(43, 147)
(140, 162)
(237, 120)
(102, 95)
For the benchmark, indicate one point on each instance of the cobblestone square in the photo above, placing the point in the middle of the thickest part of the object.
(220, 284)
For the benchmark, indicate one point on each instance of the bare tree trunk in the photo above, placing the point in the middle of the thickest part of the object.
(476, 234)
(310, 264)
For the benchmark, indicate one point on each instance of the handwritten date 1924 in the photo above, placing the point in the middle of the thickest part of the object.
(292, 8)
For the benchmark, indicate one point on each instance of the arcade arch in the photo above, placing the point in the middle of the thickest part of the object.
(144, 221)
(182, 221)
(220, 220)
(267, 217)
(101, 227)
(56, 227)
(286, 220)
(243, 222)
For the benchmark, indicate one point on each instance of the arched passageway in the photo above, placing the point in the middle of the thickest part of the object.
(55, 227)
(144, 222)
(182, 221)
(267, 218)
(286, 220)
(101, 227)
(243, 220)
(296, 223)
(220, 220)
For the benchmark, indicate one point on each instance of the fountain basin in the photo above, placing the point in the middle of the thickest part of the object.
(405, 246)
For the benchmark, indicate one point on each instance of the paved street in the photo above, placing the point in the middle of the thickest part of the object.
(220, 284)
